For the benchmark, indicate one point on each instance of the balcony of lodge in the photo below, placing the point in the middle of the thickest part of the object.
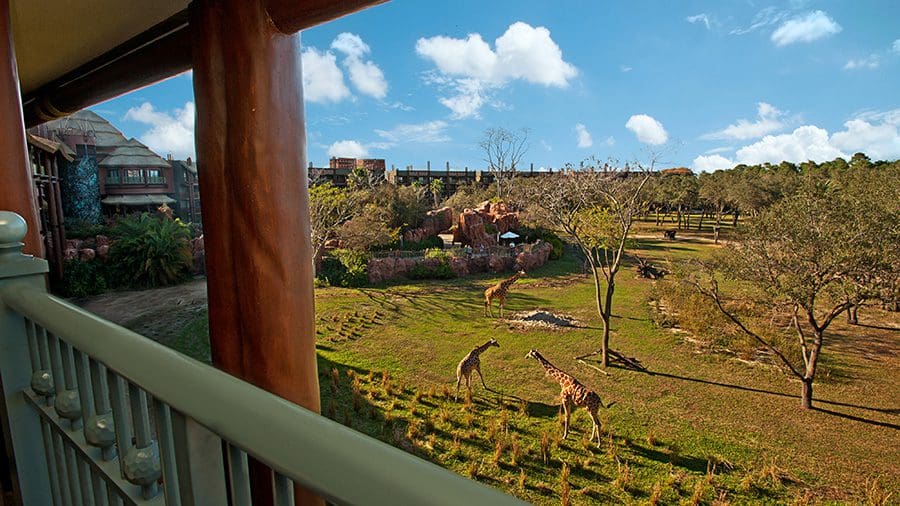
(92, 413)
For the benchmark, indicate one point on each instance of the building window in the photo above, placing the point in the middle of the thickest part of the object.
(155, 177)
(112, 177)
(134, 176)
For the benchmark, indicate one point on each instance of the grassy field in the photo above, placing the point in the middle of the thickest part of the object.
(695, 429)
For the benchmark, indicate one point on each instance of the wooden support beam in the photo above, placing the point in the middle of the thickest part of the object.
(251, 139)
(292, 16)
(16, 189)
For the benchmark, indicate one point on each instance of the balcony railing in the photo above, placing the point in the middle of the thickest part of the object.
(133, 180)
(101, 415)
(156, 180)
(111, 180)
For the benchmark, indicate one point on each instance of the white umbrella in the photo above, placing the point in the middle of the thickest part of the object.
(510, 235)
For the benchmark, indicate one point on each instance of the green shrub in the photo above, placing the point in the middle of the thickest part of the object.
(533, 234)
(439, 271)
(344, 267)
(81, 229)
(149, 251)
(426, 243)
(441, 255)
(82, 279)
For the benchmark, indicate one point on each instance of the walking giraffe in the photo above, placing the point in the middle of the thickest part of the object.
(470, 363)
(572, 392)
(498, 292)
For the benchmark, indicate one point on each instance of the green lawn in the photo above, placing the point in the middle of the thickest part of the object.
(696, 428)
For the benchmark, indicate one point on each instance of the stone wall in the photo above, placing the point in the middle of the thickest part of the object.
(529, 256)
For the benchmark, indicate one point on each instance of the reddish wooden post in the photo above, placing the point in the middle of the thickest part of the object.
(16, 190)
(251, 141)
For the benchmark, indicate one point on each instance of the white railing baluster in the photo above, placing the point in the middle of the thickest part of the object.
(283, 490)
(62, 467)
(120, 417)
(52, 470)
(74, 476)
(141, 463)
(43, 383)
(101, 428)
(239, 476)
(167, 453)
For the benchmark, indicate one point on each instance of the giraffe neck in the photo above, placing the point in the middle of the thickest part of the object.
(480, 349)
(510, 281)
(554, 371)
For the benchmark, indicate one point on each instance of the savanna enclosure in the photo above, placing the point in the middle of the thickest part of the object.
(740, 327)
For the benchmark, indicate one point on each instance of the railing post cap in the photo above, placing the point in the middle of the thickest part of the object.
(12, 228)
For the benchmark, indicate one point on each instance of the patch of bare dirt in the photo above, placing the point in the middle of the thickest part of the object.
(542, 319)
(159, 313)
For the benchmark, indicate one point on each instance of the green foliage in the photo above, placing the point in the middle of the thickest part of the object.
(344, 267)
(82, 229)
(149, 251)
(433, 242)
(425, 271)
(83, 279)
(531, 235)
(439, 254)
(468, 196)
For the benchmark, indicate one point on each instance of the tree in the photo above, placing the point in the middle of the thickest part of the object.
(436, 187)
(714, 188)
(816, 253)
(596, 210)
(329, 208)
(503, 150)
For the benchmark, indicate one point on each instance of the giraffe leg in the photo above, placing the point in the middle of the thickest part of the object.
(469, 383)
(502, 303)
(490, 306)
(478, 368)
(568, 412)
(458, 380)
(596, 428)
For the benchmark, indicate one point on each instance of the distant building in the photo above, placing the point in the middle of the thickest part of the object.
(339, 170)
(125, 174)
(187, 190)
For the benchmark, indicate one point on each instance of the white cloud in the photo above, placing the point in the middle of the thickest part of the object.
(471, 67)
(768, 121)
(723, 149)
(813, 26)
(610, 141)
(647, 129)
(807, 142)
(625, 68)
(430, 131)
(584, 137)
(169, 132)
(895, 47)
(877, 134)
(870, 62)
(323, 81)
(881, 141)
(699, 18)
(766, 17)
(711, 163)
(365, 75)
(347, 149)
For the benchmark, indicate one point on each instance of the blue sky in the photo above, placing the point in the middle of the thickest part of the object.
(698, 84)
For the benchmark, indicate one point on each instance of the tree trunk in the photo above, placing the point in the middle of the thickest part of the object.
(806, 396)
(734, 222)
(606, 316)
(718, 223)
(700, 225)
(657, 217)
(852, 318)
(679, 217)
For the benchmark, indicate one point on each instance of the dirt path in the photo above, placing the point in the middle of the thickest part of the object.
(160, 314)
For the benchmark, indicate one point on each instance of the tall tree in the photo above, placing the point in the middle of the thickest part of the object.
(714, 188)
(503, 150)
(329, 208)
(596, 210)
(818, 252)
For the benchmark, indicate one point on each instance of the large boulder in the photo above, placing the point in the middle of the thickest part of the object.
(499, 214)
(533, 256)
(500, 262)
(470, 230)
(86, 254)
(103, 252)
(435, 222)
(101, 240)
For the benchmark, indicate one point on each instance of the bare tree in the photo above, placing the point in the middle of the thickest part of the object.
(503, 150)
(329, 208)
(817, 253)
(596, 210)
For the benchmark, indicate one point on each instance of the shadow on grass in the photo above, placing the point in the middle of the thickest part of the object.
(888, 411)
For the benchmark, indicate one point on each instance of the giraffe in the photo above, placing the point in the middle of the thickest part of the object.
(470, 363)
(572, 392)
(498, 292)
